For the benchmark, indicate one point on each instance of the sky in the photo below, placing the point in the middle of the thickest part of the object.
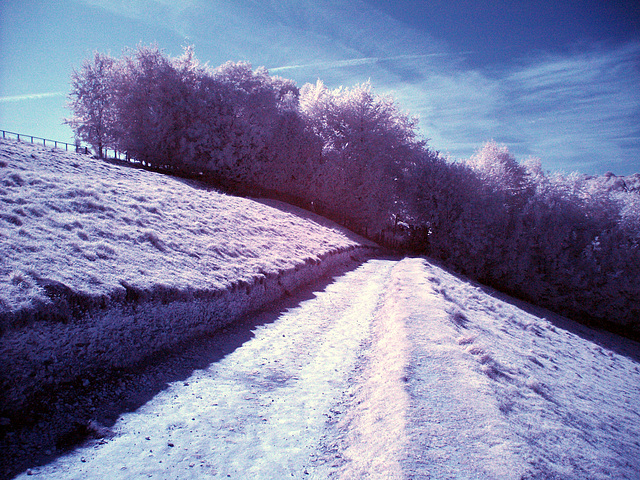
(553, 79)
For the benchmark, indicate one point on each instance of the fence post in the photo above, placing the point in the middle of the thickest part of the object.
(78, 147)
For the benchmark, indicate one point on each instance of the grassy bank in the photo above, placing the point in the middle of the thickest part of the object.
(104, 266)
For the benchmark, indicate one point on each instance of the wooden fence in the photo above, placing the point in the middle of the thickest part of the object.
(62, 145)
(33, 139)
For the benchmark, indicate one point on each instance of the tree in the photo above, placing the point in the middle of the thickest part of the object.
(257, 104)
(501, 172)
(366, 142)
(91, 101)
(151, 100)
(566, 242)
(289, 161)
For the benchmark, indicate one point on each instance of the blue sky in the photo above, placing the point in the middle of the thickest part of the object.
(559, 80)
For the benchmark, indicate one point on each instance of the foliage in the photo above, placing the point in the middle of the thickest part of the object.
(366, 143)
(556, 240)
(563, 241)
(91, 102)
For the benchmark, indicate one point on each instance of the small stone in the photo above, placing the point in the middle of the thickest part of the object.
(170, 444)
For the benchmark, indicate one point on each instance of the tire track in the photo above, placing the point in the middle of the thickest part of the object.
(272, 408)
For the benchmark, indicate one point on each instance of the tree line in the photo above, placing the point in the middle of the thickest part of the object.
(561, 241)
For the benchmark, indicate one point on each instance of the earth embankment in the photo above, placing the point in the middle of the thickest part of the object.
(105, 266)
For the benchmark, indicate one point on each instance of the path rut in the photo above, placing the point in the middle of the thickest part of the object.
(394, 370)
(272, 408)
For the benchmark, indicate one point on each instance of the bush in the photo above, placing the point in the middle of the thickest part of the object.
(567, 242)
(559, 241)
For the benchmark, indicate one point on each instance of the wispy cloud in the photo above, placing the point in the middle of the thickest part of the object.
(577, 109)
(354, 62)
(172, 15)
(574, 110)
(31, 96)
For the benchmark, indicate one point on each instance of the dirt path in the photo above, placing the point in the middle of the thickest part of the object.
(394, 370)
(455, 427)
(272, 408)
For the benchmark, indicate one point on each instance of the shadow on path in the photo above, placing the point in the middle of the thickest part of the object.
(88, 408)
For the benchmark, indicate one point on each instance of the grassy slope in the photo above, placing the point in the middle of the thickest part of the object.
(104, 266)
(95, 227)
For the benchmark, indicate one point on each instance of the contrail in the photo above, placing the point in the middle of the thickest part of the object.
(355, 62)
(31, 96)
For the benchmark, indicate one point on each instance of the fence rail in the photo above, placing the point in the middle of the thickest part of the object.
(62, 145)
(56, 143)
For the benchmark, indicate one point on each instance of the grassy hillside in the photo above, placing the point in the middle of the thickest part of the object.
(103, 266)
(69, 221)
